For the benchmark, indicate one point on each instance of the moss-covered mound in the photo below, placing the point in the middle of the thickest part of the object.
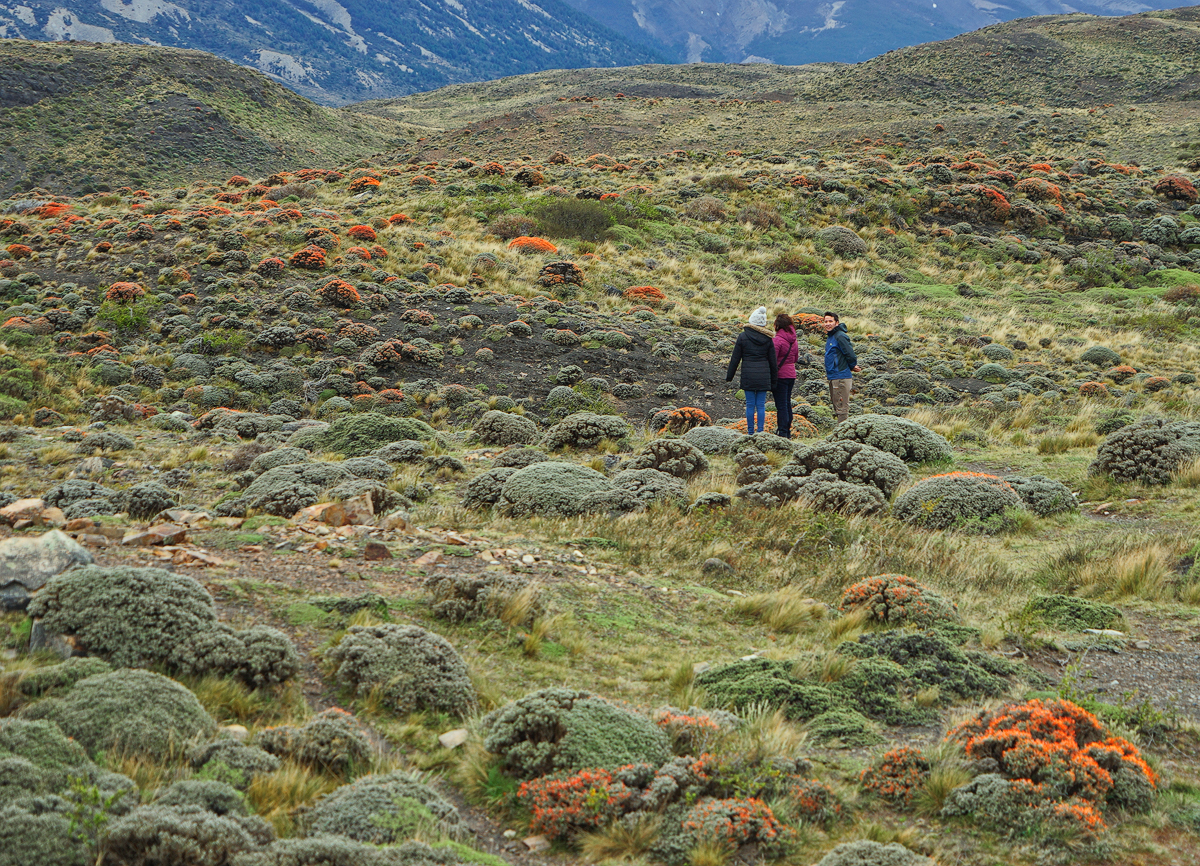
(958, 499)
(1073, 614)
(1149, 451)
(357, 435)
(382, 809)
(908, 440)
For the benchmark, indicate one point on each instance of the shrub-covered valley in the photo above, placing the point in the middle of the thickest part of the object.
(395, 509)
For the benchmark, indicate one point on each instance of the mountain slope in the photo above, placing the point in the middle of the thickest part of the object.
(808, 31)
(339, 52)
(74, 116)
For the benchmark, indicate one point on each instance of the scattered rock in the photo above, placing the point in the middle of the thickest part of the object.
(27, 563)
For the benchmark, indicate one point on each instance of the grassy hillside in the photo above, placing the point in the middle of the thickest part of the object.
(81, 116)
(437, 430)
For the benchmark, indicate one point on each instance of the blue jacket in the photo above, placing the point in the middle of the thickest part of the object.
(840, 359)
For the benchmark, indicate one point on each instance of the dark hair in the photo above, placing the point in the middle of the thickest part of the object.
(783, 322)
(834, 316)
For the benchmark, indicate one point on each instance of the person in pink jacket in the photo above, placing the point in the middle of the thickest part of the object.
(787, 350)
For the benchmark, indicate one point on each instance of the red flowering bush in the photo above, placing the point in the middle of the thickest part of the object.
(810, 323)
(50, 209)
(238, 180)
(360, 253)
(397, 219)
(314, 338)
(683, 419)
(19, 251)
(422, 181)
(339, 293)
(1058, 758)
(361, 334)
(271, 268)
(581, 801)
(229, 197)
(560, 274)
(1120, 373)
(362, 233)
(1176, 187)
(894, 599)
(532, 245)
(378, 252)
(123, 292)
(493, 168)
(310, 259)
(1093, 389)
(897, 775)
(1156, 383)
(690, 734)
(649, 295)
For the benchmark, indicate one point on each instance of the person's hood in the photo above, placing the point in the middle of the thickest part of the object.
(840, 326)
(754, 331)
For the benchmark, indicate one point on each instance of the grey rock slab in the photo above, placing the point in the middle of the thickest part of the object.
(27, 563)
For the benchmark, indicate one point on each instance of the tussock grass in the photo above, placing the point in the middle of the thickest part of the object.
(786, 610)
(621, 840)
(276, 797)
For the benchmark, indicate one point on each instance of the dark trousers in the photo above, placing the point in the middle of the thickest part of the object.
(783, 406)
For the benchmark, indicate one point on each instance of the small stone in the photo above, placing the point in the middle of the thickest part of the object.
(700, 667)
(54, 517)
(397, 520)
(527, 559)
(510, 834)
(359, 510)
(1105, 632)
(453, 739)
(376, 552)
(79, 524)
(536, 843)
(430, 558)
(22, 509)
(1141, 644)
(27, 563)
(237, 732)
(716, 568)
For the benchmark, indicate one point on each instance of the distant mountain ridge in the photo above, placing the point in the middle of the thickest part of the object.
(794, 32)
(341, 51)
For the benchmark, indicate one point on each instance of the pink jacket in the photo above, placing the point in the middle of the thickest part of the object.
(787, 350)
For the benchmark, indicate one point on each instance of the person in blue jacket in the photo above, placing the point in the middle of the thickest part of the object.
(840, 365)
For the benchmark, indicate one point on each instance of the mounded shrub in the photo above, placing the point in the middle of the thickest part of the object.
(460, 597)
(35, 758)
(181, 836)
(387, 808)
(148, 499)
(563, 729)
(505, 428)
(824, 491)
(945, 501)
(1100, 356)
(326, 850)
(414, 668)
(37, 682)
(332, 741)
(843, 241)
(143, 617)
(1075, 614)
(749, 682)
(673, 456)
(46, 838)
(908, 440)
(897, 775)
(896, 599)
(483, 491)
(356, 435)
(284, 490)
(519, 458)
(713, 440)
(1148, 451)
(844, 726)
(854, 462)
(550, 489)
(650, 485)
(232, 762)
(216, 797)
(864, 852)
(131, 711)
(1042, 495)
(585, 430)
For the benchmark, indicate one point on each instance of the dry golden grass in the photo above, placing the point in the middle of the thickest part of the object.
(621, 840)
(1140, 573)
(786, 610)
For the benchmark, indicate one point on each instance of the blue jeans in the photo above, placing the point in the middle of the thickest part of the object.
(756, 401)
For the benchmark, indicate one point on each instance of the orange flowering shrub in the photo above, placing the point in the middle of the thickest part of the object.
(897, 775)
(124, 292)
(397, 219)
(362, 233)
(809, 323)
(895, 599)
(314, 338)
(310, 259)
(1156, 383)
(493, 168)
(238, 180)
(1120, 373)
(271, 268)
(649, 295)
(422, 181)
(580, 801)
(532, 245)
(229, 197)
(378, 252)
(815, 801)
(560, 274)
(340, 293)
(360, 253)
(391, 395)
(50, 209)
(683, 419)
(419, 317)
(19, 251)
(690, 734)
(363, 184)
(1041, 166)
(1059, 759)
(1176, 187)
(1039, 189)
(1093, 389)
(735, 822)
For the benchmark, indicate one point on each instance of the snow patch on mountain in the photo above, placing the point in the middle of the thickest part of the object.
(25, 15)
(285, 67)
(62, 25)
(144, 11)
